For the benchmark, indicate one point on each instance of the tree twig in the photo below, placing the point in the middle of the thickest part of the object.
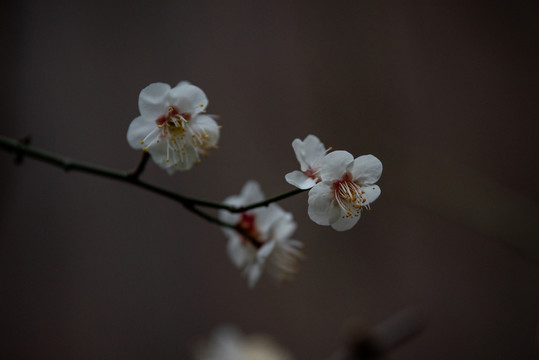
(141, 166)
(21, 148)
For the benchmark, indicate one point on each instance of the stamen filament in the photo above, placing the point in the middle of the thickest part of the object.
(147, 136)
(348, 195)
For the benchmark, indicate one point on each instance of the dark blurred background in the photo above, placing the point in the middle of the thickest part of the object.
(444, 93)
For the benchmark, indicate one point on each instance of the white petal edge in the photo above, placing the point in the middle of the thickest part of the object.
(266, 218)
(265, 251)
(188, 98)
(372, 192)
(152, 101)
(308, 151)
(254, 272)
(297, 145)
(180, 160)
(335, 164)
(228, 217)
(322, 209)
(251, 193)
(206, 125)
(366, 169)
(139, 129)
(314, 150)
(299, 180)
(345, 223)
(284, 227)
(235, 250)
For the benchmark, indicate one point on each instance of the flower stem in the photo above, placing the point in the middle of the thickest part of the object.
(208, 217)
(22, 149)
(267, 201)
(141, 166)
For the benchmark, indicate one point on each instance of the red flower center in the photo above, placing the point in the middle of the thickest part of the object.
(348, 195)
(248, 230)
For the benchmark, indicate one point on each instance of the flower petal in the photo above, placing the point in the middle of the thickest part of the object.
(206, 131)
(253, 274)
(251, 193)
(366, 169)
(181, 157)
(140, 129)
(237, 253)
(266, 219)
(297, 145)
(344, 223)
(323, 210)
(284, 226)
(372, 192)
(335, 164)
(308, 151)
(300, 180)
(314, 150)
(152, 101)
(265, 251)
(188, 98)
(228, 217)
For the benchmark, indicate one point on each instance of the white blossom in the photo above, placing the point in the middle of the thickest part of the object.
(172, 125)
(228, 343)
(346, 188)
(262, 242)
(309, 153)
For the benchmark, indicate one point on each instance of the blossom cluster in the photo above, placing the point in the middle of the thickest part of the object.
(340, 186)
(172, 126)
(175, 130)
(261, 240)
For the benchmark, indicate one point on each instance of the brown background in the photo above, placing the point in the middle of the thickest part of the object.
(444, 93)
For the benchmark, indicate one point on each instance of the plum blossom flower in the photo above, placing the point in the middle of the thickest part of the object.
(172, 126)
(228, 343)
(346, 188)
(262, 241)
(309, 153)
